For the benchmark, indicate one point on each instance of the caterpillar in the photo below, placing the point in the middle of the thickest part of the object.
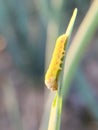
(52, 73)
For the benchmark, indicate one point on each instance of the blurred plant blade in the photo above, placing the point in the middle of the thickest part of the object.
(81, 40)
(12, 106)
(86, 93)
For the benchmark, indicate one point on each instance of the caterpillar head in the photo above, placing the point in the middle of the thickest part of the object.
(51, 83)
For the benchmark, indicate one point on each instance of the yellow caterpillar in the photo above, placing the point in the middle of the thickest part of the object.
(51, 76)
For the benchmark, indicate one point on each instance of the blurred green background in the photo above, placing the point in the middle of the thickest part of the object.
(28, 29)
(23, 24)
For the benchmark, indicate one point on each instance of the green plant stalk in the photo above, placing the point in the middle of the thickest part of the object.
(68, 33)
(56, 108)
(55, 113)
(45, 118)
(78, 46)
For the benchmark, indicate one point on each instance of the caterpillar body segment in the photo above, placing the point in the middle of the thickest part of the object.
(51, 76)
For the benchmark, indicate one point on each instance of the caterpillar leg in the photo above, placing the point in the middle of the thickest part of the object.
(64, 52)
(60, 68)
